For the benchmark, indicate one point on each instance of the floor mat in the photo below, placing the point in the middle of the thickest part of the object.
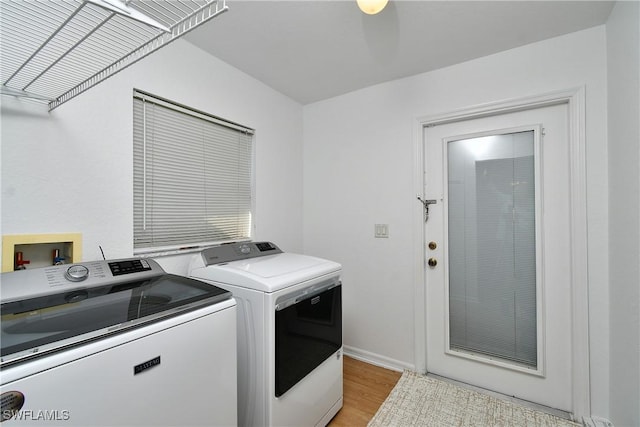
(418, 400)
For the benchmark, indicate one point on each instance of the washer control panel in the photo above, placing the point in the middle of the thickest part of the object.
(46, 280)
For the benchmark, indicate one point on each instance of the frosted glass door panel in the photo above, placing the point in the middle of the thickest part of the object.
(492, 247)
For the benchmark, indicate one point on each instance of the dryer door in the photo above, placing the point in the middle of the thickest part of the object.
(308, 331)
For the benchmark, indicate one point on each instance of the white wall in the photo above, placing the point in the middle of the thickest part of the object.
(623, 49)
(71, 170)
(359, 170)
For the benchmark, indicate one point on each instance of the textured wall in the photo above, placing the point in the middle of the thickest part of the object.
(359, 170)
(71, 169)
(623, 55)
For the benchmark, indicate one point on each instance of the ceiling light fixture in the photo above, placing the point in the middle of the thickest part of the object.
(371, 7)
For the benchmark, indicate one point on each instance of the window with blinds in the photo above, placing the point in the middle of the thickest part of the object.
(192, 177)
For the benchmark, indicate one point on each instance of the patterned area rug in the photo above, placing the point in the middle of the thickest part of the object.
(417, 400)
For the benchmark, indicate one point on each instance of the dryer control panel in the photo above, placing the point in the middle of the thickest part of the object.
(238, 250)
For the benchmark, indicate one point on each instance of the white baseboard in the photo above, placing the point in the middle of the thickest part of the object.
(596, 422)
(378, 360)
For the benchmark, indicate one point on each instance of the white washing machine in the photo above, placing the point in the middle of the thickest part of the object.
(289, 331)
(116, 343)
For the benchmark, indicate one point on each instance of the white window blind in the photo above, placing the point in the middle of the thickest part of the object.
(192, 180)
(492, 247)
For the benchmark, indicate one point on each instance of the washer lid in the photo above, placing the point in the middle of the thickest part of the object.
(269, 273)
(40, 325)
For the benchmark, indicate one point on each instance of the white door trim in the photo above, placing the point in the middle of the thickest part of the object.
(575, 100)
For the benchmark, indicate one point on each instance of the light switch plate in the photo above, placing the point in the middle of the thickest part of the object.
(381, 230)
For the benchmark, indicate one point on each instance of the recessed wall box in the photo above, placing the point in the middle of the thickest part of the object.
(38, 249)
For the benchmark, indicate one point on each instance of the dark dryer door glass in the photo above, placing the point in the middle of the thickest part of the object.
(308, 331)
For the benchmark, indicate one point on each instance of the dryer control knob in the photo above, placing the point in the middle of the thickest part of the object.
(245, 249)
(77, 273)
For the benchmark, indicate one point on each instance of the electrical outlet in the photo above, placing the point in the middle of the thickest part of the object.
(381, 230)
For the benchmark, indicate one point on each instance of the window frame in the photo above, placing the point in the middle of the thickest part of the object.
(188, 245)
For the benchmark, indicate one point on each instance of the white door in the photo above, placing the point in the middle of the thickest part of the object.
(498, 279)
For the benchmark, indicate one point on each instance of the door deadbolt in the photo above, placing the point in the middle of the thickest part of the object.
(433, 245)
(432, 262)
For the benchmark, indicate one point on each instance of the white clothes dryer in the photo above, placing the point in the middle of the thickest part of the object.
(289, 310)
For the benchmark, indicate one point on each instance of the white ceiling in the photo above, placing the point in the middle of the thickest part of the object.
(313, 50)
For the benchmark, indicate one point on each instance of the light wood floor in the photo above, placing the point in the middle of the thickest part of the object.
(365, 387)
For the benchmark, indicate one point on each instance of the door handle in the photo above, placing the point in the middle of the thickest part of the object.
(432, 262)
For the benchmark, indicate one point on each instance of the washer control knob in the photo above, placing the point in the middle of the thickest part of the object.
(77, 273)
(245, 249)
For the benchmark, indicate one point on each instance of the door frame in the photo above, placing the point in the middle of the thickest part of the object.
(574, 98)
